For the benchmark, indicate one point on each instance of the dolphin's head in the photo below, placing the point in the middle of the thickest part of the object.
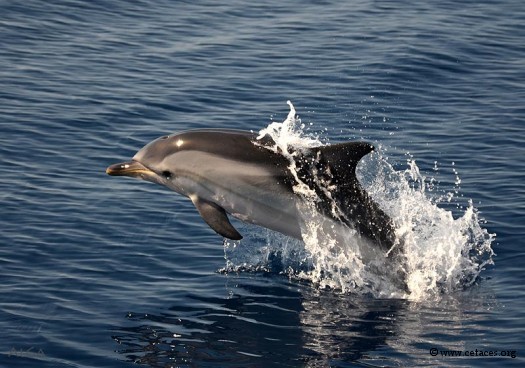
(153, 163)
(170, 159)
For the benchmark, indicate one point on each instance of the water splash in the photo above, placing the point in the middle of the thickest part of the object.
(441, 253)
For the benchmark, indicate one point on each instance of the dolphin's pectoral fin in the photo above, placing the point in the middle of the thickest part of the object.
(216, 218)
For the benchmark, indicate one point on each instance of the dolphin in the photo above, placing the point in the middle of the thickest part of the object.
(232, 172)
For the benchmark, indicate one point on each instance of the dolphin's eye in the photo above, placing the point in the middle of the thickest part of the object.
(166, 174)
(165, 137)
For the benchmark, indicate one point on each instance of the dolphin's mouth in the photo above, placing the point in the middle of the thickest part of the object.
(132, 168)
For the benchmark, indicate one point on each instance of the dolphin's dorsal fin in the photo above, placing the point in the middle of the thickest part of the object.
(342, 158)
(215, 217)
(338, 163)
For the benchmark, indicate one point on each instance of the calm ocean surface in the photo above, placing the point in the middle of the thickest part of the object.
(109, 272)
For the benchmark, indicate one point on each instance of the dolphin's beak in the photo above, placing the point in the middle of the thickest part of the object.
(131, 168)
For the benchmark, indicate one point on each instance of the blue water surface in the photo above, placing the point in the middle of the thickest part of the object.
(109, 272)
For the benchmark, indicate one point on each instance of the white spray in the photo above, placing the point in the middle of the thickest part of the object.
(442, 253)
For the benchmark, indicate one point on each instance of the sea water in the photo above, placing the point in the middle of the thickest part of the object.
(98, 271)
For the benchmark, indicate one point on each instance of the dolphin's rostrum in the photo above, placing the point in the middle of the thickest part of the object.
(230, 171)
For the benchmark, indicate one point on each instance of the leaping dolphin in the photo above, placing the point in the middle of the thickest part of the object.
(231, 171)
